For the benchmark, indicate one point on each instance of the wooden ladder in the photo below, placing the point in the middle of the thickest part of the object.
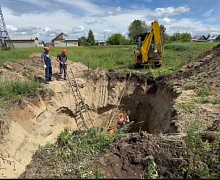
(83, 119)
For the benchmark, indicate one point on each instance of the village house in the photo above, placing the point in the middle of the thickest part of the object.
(24, 41)
(213, 38)
(63, 40)
(200, 38)
(101, 43)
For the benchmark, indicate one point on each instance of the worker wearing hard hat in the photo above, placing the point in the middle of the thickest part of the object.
(46, 58)
(123, 120)
(62, 59)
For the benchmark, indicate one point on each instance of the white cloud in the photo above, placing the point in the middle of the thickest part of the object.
(90, 21)
(12, 28)
(166, 21)
(208, 13)
(118, 8)
(77, 17)
(169, 11)
(191, 26)
(104, 13)
(78, 29)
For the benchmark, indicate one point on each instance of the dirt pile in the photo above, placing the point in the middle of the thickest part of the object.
(198, 81)
(128, 159)
(153, 106)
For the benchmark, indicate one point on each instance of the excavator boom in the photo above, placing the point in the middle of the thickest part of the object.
(150, 47)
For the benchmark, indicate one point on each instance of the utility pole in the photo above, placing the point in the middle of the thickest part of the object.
(4, 36)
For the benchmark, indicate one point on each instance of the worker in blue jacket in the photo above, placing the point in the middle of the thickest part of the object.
(46, 58)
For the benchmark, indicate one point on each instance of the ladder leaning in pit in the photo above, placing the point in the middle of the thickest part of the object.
(83, 119)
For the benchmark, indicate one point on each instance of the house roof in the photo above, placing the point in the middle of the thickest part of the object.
(213, 37)
(197, 37)
(61, 34)
(24, 38)
(99, 41)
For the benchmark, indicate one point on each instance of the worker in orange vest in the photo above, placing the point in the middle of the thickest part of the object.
(123, 120)
(120, 121)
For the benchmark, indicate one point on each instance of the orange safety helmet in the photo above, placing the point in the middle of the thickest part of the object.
(64, 51)
(46, 48)
(111, 131)
(121, 114)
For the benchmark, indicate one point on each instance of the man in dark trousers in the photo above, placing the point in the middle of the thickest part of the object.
(46, 58)
(62, 59)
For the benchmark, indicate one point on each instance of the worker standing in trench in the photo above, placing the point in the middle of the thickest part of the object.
(122, 121)
(62, 59)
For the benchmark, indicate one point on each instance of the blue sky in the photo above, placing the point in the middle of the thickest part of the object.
(48, 18)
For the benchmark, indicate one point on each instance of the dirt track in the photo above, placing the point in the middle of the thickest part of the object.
(157, 103)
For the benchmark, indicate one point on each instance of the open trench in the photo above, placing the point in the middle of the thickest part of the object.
(150, 112)
(148, 103)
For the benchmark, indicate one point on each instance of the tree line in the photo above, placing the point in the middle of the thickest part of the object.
(134, 29)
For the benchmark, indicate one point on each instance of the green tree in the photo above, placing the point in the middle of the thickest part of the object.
(43, 43)
(117, 39)
(181, 37)
(165, 36)
(82, 41)
(91, 38)
(137, 27)
(162, 27)
(185, 37)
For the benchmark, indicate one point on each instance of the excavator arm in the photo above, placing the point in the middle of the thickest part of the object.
(150, 47)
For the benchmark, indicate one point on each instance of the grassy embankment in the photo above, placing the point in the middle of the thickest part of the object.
(107, 57)
(112, 57)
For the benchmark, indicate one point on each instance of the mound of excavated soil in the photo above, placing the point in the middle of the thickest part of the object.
(127, 159)
(153, 106)
(204, 72)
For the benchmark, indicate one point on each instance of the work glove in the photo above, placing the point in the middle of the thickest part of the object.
(45, 66)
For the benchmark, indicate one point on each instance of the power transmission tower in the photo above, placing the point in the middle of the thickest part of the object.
(4, 36)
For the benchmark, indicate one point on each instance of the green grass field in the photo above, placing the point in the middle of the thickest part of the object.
(112, 57)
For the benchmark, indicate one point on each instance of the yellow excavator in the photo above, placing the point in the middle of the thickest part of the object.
(150, 49)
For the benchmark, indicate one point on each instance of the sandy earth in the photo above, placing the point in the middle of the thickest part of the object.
(39, 120)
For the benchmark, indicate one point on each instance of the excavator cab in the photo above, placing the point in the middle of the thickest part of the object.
(149, 49)
(140, 40)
